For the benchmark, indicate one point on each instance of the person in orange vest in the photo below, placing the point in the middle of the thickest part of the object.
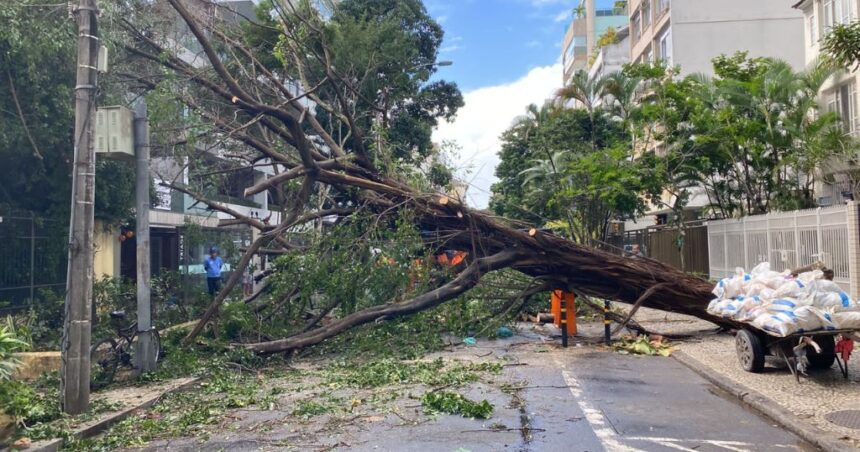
(451, 258)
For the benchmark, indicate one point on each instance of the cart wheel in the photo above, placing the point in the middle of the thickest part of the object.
(825, 359)
(750, 351)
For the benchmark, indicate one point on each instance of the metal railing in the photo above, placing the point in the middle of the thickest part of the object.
(34, 258)
(786, 240)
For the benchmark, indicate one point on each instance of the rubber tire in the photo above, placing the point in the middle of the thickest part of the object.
(102, 374)
(825, 359)
(750, 350)
(156, 339)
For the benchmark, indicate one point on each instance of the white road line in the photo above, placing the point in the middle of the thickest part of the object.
(612, 441)
(605, 433)
(671, 445)
(736, 446)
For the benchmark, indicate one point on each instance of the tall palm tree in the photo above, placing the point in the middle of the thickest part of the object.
(588, 91)
(624, 92)
(535, 117)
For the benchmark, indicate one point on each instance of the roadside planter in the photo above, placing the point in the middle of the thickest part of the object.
(33, 364)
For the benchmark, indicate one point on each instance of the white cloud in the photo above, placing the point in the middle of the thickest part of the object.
(451, 48)
(533, 43)
(562, 16)
(487, 113)
(542, 3)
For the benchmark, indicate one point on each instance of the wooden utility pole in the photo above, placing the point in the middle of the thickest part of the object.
(145, 352)
(75, 374)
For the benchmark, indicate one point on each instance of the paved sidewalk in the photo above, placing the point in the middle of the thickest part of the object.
(814, 397)
(128, 400)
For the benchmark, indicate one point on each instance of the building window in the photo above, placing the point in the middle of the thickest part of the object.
(813, 30)
(665, 43)
(569, 52)
(838, 12)
(635, 32)
(647, 56)
(846, 11)
(662, 7)
(843, 101)
(646, 14)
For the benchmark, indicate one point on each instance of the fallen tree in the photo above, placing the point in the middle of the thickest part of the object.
(325, 159)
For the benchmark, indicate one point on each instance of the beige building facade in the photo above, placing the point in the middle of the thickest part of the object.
(580, 40)
(839, 93)
(689, 33)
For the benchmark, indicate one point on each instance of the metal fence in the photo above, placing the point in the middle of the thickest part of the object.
(661, 243)
(787, 240)
(33, 258)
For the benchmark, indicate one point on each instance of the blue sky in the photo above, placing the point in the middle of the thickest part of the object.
(506, 55)
(498, 41)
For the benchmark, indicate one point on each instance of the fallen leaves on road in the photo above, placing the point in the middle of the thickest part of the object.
(643, 345)
(453, 403)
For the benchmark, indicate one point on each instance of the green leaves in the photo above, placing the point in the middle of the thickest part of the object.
(387, 372)
(453, 403)
(573, 165)
(842, 44)
(10, 344)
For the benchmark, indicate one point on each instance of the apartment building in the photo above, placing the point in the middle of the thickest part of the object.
(839, 93)
(593, 18)
(173, 211)
(689, 33)
(612, 57)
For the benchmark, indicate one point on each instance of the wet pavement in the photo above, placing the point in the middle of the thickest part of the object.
(583, 398)
(657, 404)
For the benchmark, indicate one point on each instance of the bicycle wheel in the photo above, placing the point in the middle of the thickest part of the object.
(156, 345)
(104, 361)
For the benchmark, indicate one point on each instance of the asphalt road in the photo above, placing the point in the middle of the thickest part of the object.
(578, 400)
(547, 399)
(594, 401)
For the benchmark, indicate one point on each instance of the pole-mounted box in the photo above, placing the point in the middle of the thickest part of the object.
(114, 133)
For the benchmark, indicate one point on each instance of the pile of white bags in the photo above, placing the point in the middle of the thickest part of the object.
(781, 304)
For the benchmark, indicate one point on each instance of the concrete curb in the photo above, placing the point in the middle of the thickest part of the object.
(825, 440)
(97, 426)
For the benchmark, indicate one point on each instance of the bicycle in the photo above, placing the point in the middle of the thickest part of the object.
(108, 354)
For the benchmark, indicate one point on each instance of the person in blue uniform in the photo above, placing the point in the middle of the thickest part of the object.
(213, 264)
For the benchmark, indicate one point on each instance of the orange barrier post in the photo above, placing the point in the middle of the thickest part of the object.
(563, 308)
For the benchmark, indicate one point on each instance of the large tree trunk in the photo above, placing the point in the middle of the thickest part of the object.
(235, 99)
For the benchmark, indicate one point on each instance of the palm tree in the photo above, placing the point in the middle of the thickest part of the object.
(624, 92)
(535, 117)
(588, 91)
(549, 169)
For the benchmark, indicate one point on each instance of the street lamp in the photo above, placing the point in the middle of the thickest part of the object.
(437, 63)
